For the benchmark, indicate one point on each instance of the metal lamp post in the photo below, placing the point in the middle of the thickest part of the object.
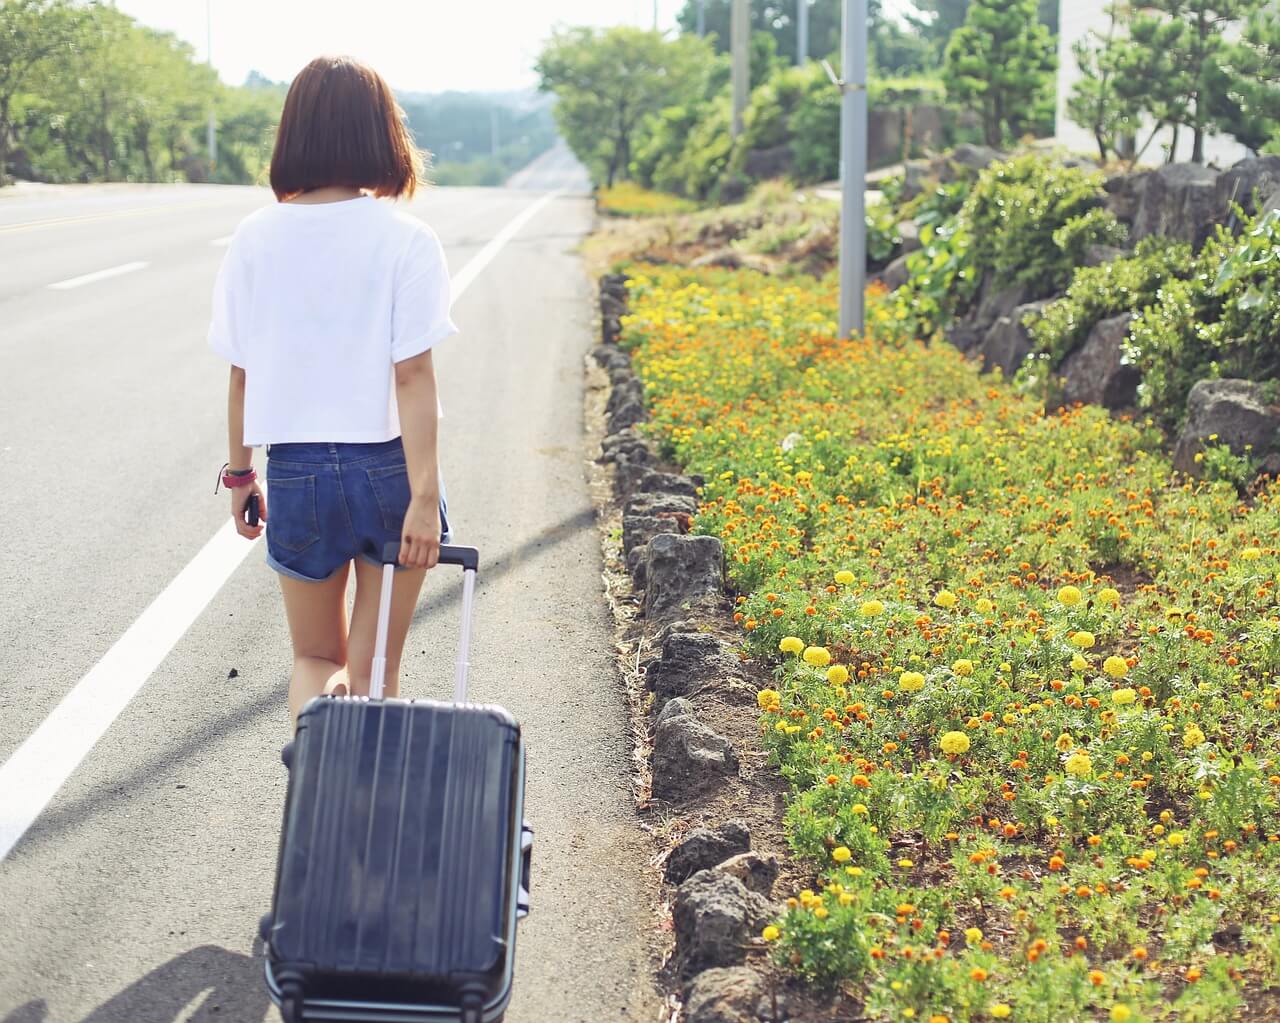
(853, 169)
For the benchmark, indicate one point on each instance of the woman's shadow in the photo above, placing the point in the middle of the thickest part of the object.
(236, 992)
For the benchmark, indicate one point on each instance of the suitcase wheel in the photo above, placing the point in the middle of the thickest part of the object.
(286, 754)
(264, 927)
(526, 870)
(291, 1002)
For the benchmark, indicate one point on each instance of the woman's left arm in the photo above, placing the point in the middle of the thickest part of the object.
(241, 457)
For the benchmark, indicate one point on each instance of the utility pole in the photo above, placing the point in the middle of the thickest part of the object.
(740, 37)
(702, 18)
(213, 122)
(853, 169)
(655, 15)
(802, 32)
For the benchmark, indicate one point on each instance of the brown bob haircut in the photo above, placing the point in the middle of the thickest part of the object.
(341, 126)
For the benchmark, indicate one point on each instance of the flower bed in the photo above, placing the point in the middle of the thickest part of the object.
(1026, 695)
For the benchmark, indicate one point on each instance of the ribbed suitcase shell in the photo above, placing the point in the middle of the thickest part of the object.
(400, 858)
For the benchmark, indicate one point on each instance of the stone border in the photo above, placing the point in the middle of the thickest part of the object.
(703, 787)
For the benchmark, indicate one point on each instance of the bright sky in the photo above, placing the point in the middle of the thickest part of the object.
(417, 45)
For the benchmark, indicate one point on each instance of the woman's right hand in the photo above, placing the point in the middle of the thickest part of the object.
(420, 539)
(239, 498)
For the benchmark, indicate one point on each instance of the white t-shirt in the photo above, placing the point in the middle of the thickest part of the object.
(317, 302)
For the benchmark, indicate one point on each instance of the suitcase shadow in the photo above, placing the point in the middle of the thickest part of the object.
(233, 982)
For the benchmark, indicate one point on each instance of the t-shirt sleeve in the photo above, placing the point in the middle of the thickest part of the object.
(226, 325)
(420, 316)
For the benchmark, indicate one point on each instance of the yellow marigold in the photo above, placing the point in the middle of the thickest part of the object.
(1079, 765)
(1000, 1011)
(1123, 696)
(1174, 614)
(954, 743)
(837, 674)
(1078, 662)
(841, 854)
(818, 656)
(1116, 667)
(1109, 596)
(1192, 736)
(859, 809)
(911, 681)
(791, 645)
(1121, 1014)
(771, 933)
(1069, 596)
(844, 577)
(1064, 742)
(1175, 839)
(984, 606)
(1251, 554)
(766, 698)
(963, 667)
(871, 608)
(1083, 640)
(973, 935)
(945, 598)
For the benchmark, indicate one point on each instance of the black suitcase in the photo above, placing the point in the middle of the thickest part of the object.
(404, 862)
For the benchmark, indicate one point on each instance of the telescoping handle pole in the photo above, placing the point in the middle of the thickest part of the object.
(468, 558)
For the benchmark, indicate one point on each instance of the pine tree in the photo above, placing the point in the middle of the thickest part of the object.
(1001, 60)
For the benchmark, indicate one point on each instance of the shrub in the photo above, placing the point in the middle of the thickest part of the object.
(1222, 320)
(1031, 218)
(628, 199)
(1098, 292)
(1026, 221)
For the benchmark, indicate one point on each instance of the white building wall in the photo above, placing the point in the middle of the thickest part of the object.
(1076, 18)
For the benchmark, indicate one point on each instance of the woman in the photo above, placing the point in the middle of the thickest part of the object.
(327, 306)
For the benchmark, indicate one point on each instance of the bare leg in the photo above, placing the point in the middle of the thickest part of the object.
(364, 624)
(317, 614)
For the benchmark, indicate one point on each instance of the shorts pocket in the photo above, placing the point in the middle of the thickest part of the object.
(291, 513)
(390, 486)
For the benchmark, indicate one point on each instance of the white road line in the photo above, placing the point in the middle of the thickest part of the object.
(32, 776)
(221, 242)
(99, 275)
(485, 256)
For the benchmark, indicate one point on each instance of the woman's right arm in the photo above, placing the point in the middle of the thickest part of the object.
(419, 418)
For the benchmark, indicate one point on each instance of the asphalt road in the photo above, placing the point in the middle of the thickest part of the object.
(135, 894)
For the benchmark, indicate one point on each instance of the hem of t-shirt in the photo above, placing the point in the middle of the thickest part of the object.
(225, 352)
(325, 437)
(429, 339)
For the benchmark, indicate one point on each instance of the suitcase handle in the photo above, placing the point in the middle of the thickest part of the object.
(469, 560)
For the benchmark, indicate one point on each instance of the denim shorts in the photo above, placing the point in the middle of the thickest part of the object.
(330, 503)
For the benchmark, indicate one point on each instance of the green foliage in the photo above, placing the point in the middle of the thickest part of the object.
(1099, 292)
(894, 47)
(1026, 221)
(1246, 85)
(1030, 219)
(1001, 62)
(1171, 65)
(477, 139)
(610, 81)
(87, 94)
(1094, 102)
(1221, 321)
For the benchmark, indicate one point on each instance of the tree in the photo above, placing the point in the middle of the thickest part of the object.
(1094, 102)
(1246, 86)
(778, 18)
(1168, 67)
(1001, 61)
(30, 32)
(608, 82)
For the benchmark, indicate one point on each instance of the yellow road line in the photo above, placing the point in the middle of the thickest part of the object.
(32, 225)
